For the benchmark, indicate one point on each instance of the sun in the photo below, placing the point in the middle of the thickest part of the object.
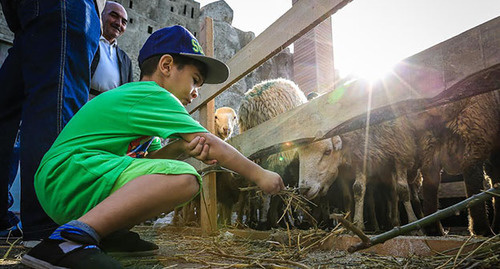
(373, 71)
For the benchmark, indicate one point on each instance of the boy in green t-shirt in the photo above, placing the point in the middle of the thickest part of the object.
(93, 180)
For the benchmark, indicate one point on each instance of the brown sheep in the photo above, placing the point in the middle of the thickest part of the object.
(458, 138)
(390, 151)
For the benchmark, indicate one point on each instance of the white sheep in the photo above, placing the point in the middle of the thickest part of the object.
(225, 122)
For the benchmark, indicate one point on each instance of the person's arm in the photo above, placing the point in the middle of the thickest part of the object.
(229, 157)
(180, 148)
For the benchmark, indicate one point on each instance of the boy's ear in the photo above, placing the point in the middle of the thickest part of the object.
(165, 64)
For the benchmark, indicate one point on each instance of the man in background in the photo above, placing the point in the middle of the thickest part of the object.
(111, 66)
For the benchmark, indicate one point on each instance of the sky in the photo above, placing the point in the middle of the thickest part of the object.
(369, 36)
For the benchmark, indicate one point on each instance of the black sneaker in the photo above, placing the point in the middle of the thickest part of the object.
(12, 233)
(64, 253)
(124, 243)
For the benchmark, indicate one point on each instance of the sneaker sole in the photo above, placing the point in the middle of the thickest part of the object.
(37, 263)
(135, 253)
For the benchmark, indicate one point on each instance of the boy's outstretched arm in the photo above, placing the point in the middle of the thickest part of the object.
(228, 157)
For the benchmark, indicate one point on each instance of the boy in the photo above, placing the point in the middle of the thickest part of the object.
(87, 181)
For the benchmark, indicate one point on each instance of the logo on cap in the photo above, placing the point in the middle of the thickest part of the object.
(196, 46)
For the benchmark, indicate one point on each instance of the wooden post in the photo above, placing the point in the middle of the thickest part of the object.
(208, 197)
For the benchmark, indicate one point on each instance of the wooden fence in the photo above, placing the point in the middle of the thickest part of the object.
(460, 67)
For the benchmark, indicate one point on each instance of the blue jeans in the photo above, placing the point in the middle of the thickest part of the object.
(44, 81)
(10, 219)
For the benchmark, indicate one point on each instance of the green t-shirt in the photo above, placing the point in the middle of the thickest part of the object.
(98, 142)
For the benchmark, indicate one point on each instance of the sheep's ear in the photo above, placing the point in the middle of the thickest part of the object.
(337, 142)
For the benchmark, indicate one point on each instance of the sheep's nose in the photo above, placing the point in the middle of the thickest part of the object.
(303, 190)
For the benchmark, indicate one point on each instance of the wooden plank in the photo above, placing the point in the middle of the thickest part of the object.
(452, 190)
(433, 77)
(406, 246)
(208, 203)
(304, 15)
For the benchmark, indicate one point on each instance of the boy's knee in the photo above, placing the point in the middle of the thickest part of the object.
(191, 183)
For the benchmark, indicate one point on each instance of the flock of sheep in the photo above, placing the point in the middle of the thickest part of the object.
(388, 165)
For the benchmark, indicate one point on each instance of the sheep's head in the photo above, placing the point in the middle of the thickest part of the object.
(225, 122)
(319, 163)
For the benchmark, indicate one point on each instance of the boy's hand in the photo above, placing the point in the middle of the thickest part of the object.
(270, 182)
(199, 150)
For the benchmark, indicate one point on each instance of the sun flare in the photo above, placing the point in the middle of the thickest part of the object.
(373, 71)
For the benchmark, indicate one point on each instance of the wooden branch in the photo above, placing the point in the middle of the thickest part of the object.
(440, 214)
(351, 227)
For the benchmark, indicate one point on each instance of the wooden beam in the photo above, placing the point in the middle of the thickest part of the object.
(304, 15)
(452, 190)
(460, 67)
(208, 211)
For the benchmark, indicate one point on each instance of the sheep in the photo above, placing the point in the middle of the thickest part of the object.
(262, 102)
(390, 151)
(225, 122)
(458, 138)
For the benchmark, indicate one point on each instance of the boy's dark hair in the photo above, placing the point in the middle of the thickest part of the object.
(149, 65)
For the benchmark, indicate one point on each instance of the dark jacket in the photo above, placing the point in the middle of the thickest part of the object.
(124, 63)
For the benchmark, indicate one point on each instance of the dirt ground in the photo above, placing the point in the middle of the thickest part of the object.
(186, 248)
(181, 248)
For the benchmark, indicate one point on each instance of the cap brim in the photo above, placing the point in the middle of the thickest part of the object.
(217, 71)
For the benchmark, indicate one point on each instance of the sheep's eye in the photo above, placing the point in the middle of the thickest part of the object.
(328, 152)
(216, 117)
(234, 117)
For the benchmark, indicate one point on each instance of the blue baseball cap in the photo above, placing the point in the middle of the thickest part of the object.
(177, 39)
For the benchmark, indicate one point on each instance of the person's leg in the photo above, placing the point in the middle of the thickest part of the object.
(10, 116)
(58, 43)
(127, 206)
(138, 200)
(10, 227)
